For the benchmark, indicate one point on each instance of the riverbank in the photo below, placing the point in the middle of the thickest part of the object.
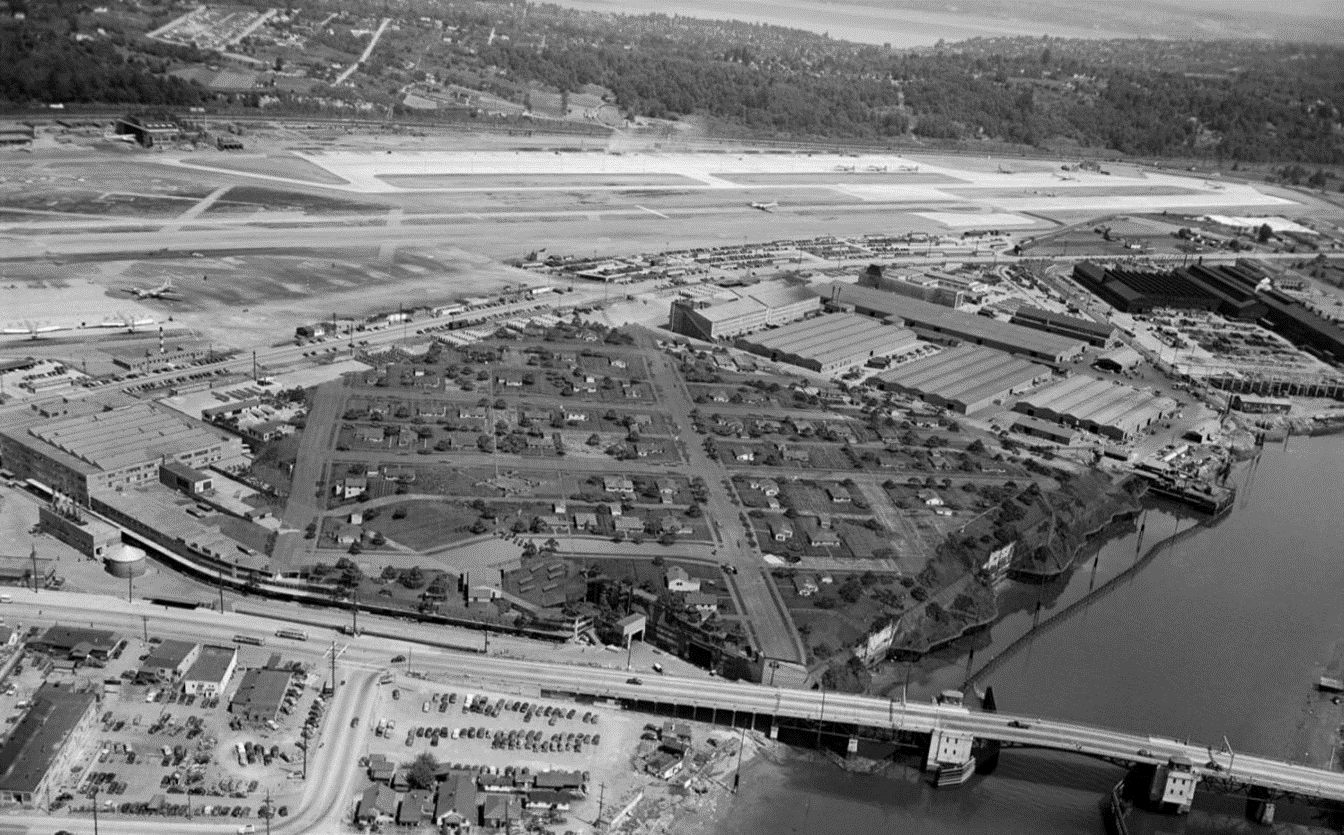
(696, 801)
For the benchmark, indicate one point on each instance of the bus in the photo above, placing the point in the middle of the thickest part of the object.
(248, 639)
(292, 634)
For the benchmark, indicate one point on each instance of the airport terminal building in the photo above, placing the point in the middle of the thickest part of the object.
(81, 455)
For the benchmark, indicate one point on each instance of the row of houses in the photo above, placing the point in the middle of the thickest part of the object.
(463, 800)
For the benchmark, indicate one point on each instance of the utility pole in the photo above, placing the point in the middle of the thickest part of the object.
(354, 612)
(737, 775)
(33, 553)
(629, 650)
(333, 671)
(144, 619)
(822, 715)
(95, 810)
(221, 591)
(601, 795)
(130, 587)
(269, 812)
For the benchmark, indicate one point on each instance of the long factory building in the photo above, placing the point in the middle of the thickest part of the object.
(765, 305)
(84, 454)
(831, 343)
(1107, 408)
(942, 324)
(966, 379)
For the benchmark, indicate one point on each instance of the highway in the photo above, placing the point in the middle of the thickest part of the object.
(327, 795)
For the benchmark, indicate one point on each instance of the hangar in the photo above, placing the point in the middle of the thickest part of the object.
(832, 343)
(965, 379)
(942, 324)
(1111, 409)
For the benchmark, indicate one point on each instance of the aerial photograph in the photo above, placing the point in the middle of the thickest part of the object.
(702, 417)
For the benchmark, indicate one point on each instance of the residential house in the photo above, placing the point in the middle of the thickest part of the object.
(548, 800)
(629, 524)
(377, 805)
(455, 809)
(617, 484)
(780, 530)
(674, 525)
(500, 809)
(381, 769)
(673, 730)
(822, 537)
(742, 453)
(677, 580)
(838, 494)
(416, 808)
(805, 585)
(350, 487)
(585, 521)
(706, 605)
(930, 498)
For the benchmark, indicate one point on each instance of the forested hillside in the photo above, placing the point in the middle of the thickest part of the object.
(1225, 100)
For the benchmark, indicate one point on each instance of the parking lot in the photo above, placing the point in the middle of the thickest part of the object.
(501, 733)
(157, 751)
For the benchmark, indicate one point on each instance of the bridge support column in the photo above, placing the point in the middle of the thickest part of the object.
(1173, 786)
(950, 757)
(852, 747)
(1259, 808)
(774, 730)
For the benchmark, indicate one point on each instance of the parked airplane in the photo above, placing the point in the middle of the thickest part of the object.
(844, 168)
(163, 291)
(1003, 169)
(765, 207)
(878, 168)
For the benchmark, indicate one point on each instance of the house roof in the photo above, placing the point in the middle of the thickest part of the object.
(213, 664)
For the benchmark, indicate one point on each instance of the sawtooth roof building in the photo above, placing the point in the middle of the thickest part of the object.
(966, 379)
(942, 324)
(1139, 291)
(86, 454)
(762, 306)
(832, 343)
(1111, 409)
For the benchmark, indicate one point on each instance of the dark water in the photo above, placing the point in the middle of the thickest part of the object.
(1222, 633)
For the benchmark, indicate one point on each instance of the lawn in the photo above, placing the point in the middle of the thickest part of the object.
(425, 525)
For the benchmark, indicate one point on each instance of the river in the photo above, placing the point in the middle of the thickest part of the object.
(1223, 632)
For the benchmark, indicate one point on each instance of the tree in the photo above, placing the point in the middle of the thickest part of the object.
(1265, 234)
(423, 771)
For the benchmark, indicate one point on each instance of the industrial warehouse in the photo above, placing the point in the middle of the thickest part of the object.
(80, 455)
(764, 305)
(967, 378)
(832, 343)
(1095, 334)
(1238, 291)
(942, 324)
(1106, 408)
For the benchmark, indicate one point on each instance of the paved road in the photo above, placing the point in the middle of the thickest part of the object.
(763, 612)
(326, 800)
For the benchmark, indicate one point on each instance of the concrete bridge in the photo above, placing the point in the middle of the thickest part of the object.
(1179, 766)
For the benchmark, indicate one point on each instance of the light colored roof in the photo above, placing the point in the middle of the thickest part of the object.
(121, 437)
(966, 374)
(837, 337)
(212, 664)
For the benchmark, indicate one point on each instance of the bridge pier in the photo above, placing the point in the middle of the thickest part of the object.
(1259, 808)
(852, 747)
(1173, 785)
(774, 730)
(950, 757)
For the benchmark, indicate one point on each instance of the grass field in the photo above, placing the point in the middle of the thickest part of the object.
(426, 524)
